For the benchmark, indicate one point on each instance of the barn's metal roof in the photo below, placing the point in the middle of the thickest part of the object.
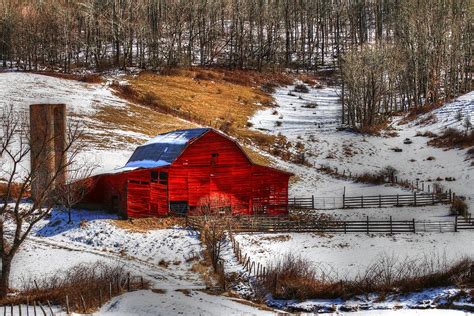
(163, 149)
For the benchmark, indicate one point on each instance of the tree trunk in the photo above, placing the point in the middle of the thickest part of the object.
(5, 280)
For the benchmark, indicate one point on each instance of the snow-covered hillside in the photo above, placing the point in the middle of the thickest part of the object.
(113, 126)
(355, 153)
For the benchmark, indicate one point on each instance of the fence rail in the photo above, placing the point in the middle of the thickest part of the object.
(282, 224)
(415, 199)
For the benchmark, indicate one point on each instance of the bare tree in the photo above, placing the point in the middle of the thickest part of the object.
(215, 210)
(76, 187)
(18, 216)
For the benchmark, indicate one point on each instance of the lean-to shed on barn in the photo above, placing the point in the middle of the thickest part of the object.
(189, 172)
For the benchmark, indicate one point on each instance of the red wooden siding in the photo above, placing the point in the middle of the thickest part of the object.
(211, 166)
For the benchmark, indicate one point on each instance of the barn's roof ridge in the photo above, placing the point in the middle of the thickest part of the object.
(164, 149)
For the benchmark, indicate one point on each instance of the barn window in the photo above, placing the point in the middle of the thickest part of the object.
(154, 176)
(214, 158)
(179, 207)
(164, 178)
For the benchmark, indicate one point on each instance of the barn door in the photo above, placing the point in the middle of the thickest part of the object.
(138, 198)
(159, 193)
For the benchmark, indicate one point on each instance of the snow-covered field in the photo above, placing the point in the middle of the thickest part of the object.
(316, 128)
(348, 255)
(92, 237)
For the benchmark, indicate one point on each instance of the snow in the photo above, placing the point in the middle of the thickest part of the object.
(355, 153)
(179, 137)
(419, 303)
(22, 89)
(347, 255)
(95, 233)
(453, 114)
(83, 100)
(177, 303)
(146, 164)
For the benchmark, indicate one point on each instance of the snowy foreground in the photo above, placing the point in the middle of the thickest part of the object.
(56, 245)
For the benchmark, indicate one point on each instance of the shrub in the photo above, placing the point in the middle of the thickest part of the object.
(148, 99)
(459, 207)
(470, 153)
(125, 90)
(269, 87)
(301, 88)
(80, 283)
(310, 105)
(296, 278)
(91, 78)
(451, 138)
(278, 123)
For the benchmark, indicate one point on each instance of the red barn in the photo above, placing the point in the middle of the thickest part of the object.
(188, 171)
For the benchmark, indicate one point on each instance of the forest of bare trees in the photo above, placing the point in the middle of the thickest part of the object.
(393, 54)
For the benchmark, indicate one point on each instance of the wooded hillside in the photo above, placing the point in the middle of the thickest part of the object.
(394, 55)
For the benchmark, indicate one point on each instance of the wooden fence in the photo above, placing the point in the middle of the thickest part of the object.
(283, 224)
(278, 224)
(415, 199)
(80, 304)
(252, 267)
(463, 223)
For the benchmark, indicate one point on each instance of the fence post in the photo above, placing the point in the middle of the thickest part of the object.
(414, 229)
(361, 201)
(414, 196)
(397, 201)
(67, 305)
(345, 227)
(391, 226)
(456, 223)
(344, 200)
(367, 224)
(380, 200)
(312, 202)
(432, 198)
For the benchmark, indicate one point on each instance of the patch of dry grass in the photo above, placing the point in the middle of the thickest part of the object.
(84, 288)
(149, 223)
(219, 98)
(132, 118)
(296, 278)
(451, 138)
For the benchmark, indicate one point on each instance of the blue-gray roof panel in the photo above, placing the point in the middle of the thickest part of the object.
(163, 149)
